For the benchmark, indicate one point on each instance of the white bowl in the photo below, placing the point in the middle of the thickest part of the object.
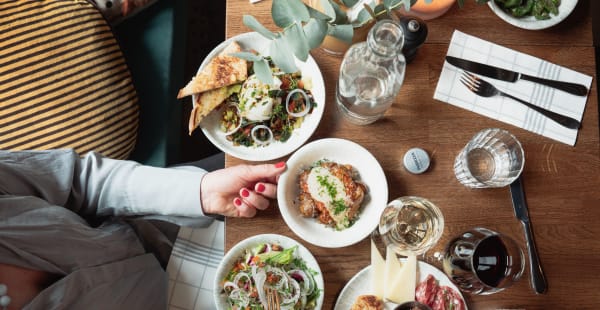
(342, 152)
(529, 22)
(238, 251)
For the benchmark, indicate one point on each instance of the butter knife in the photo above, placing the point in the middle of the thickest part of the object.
(512, 76)
(538, 280)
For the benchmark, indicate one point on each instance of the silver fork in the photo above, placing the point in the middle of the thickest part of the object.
(485, 89)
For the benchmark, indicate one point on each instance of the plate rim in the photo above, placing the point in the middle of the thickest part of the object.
(260, 155)
(367, 269)
(530, 24)
(287, 216)
(309, 258)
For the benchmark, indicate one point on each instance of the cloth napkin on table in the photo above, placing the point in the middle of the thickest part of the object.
(449, 88)
(192, 266)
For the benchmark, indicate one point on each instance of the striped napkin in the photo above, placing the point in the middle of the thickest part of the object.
(449, 88)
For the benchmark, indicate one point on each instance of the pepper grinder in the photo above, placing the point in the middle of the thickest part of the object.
(415, 33)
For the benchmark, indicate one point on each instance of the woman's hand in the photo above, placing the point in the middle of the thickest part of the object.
(240, 190)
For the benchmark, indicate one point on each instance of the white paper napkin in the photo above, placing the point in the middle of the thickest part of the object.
(449, 88)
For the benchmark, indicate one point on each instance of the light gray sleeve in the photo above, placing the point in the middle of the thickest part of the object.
(98, 186)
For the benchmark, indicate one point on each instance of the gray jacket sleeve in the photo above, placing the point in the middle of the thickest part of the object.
(96, 186)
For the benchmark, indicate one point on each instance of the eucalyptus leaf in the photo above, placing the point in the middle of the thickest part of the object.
(340, 15)
(316, 14)
(315, 31)
(247, 56)
(342, 32)
(255, 25)
(428, 1)
(362, 18)
(296, 40)
(349, 3)
(395, 4)
(328, 9)
(279, 51)
(287, 12)
(263, 71)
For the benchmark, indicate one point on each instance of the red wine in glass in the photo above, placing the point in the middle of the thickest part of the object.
(481, 261)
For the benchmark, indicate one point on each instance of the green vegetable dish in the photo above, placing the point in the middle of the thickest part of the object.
(540, 9)
(257, 113)
(269, 266)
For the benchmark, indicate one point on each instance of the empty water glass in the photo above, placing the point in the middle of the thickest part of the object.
(492, 158)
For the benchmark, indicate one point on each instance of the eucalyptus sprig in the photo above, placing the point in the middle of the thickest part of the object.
(304, 28)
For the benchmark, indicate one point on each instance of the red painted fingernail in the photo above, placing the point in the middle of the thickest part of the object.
(237, 202)
(260, 187)
(280, 164)
(245, 193)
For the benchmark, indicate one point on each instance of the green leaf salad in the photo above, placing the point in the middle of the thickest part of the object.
(258, 113)
(270, 266)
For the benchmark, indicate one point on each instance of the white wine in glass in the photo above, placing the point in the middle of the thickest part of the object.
(411, 225)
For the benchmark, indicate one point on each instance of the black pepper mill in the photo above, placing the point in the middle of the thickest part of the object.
(415, 33)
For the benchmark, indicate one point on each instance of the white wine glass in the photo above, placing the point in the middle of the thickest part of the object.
(410, 225)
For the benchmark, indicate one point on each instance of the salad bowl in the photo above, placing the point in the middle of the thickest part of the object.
(211, 125)
(248, 248)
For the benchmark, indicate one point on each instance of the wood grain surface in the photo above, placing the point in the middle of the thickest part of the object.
(562, 183)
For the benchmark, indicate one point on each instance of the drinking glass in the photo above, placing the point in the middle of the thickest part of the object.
(411, 225)
(492, 158)
(482, 261)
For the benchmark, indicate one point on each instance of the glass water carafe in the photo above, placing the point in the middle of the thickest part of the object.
(371, 74)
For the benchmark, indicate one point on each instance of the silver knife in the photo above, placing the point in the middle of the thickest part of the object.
(538, 280)
(512, 76)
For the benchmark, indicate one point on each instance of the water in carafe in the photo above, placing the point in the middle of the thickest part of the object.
(371, 74)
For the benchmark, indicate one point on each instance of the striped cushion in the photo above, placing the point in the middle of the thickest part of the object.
(63, 80)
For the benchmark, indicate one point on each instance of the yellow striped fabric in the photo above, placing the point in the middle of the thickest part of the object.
(63, 80)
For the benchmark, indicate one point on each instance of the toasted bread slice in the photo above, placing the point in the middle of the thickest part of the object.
(223, 70)
(207, 101)
(367, 302)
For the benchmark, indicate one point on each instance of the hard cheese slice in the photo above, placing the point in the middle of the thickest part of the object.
(400, 279)
(377, 272)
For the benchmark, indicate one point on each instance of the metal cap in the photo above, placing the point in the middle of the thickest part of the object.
(416, 160)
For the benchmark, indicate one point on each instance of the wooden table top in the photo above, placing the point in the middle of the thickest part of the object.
(562, 182)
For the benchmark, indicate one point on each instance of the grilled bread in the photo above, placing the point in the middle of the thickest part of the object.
(367, 302)
(206, 102)
(223, 70)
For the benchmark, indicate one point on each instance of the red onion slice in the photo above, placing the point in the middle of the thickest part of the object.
(255, 131)
(306, 103)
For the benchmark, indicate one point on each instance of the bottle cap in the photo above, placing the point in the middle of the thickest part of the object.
(416, 160)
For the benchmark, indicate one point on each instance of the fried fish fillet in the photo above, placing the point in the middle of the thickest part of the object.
(353, 195)
(223, 70)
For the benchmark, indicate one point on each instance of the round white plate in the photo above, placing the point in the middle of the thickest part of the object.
(342, 152)
(276, 149)
(239, 250)
(529, 22)
(360, 284)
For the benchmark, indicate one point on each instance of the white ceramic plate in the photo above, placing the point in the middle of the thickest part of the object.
(360, 284)
(529, 22)
(342, 152)
(276, 149)
(238, 251)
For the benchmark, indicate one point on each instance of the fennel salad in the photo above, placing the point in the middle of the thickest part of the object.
(269, 266)
(256, 114)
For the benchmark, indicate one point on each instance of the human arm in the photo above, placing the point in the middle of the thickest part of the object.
(97, 186)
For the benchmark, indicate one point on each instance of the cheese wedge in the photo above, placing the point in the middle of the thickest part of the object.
(223, 70)
(377, 272)
(400, 279)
